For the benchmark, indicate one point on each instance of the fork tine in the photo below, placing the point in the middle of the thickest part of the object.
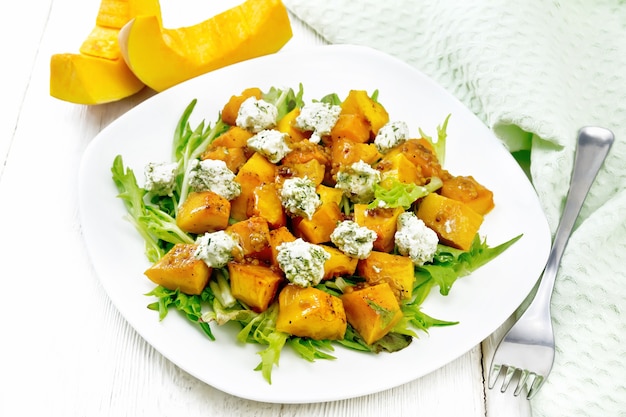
(493, 375)
(522, 382)
(510, 371)
(535, 386)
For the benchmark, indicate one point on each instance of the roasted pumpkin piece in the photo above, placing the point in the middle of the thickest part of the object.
(351, 126)
(255, 285)
(419, 152)
(383, 221)
(312, 170)
(233, 157)
(373, 311)
(278, 236)
(202, 212)
(359, 102)
(231, 108)
(234, 137)
(256, 171)
(266, 203)
(397, 167)
(396, 270)
(253, 235)
(180, 269)
(318, 228)
(329, 194)
(455, 223)
(309, 312)
(345, 152)
(287, 125)
(470, 192)
(339, 263)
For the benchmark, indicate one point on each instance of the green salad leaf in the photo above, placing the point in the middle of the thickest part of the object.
(401, 194)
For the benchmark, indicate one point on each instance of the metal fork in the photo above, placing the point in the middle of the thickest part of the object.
(527, 350)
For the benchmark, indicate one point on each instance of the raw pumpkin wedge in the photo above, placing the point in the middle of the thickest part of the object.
(97, 73)
(163, 57)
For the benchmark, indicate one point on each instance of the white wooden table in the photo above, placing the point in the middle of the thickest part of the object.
(64, 348)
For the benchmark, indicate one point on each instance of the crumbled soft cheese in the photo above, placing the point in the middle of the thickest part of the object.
(160, 177)
(302, 262)
(213, 175)
(216, 249)
(270, 143)
(298, 197)
(391, 135)
(353, 240)
(357, 181)
(415, 239)
(256, 115)
(318, 117)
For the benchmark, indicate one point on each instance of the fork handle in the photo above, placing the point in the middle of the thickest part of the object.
(593, 146)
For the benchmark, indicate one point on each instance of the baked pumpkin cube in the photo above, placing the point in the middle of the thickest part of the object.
(359, 102)
(319, 227)
(277, 237)
(286, 125)
(373, 311)
(351, 126)
(180, 269)
(203, 211)
(383, 221)
(255, 285)
(234, 137)
(339, 263)
(329, 194)
(396, 270)
(256, 171)
(253, 236)
(470, 192)
(309, 312)
(345, 152)
(398, 167)
(266, 203)
(455, 223)
(313, 170)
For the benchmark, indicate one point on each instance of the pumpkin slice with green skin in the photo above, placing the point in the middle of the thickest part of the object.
(162, 57)
(98, 73)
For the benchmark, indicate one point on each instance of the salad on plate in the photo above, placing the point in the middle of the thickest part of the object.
(306, 224)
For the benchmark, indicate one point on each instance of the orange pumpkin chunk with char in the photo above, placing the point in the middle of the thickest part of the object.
(180, 269)
(255, 285)
(396, 270)
(373, 311)
(203, 212)
(455, 223)
(309, 312)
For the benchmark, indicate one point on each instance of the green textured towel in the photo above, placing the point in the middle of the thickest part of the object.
(534, 72)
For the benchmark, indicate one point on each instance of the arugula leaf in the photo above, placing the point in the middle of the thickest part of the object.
(449, 264)
(284, 100)
(153, 224)
(310, 349)
(440, 144)
(189, 305)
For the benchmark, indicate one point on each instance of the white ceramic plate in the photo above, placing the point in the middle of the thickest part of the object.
(481, 301)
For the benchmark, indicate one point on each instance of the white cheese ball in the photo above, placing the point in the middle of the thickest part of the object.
(318, 117)
(213, 175)
(391, 135)
(353, 240)
(256, 115)
(160, 177)
(357, 181)
(270, 143)
(216, 249)
(414, 239)
(299, 197)
(302, 262)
